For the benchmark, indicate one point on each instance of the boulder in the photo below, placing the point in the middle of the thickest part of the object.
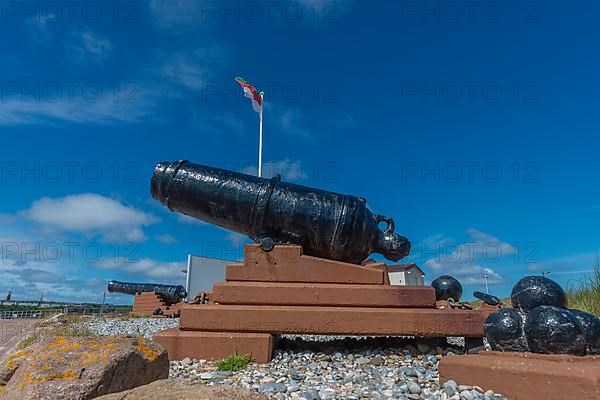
(176, 389)
(11, 363)
(81, 368)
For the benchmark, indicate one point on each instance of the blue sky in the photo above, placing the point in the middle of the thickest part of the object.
(474, 126)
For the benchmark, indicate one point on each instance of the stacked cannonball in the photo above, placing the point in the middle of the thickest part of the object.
(447, 287)
(540, 322)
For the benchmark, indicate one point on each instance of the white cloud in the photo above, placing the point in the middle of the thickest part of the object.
(100, 107)
(485, 239)
(572, 264)
(467, 260)
(147, 268)
(90, 213)
(166, 238)
(466, 272)
(30, 269)
(193, 69)
(89, 44)
(184, 71)
(237, 239)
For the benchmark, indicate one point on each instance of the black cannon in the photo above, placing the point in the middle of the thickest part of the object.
(171, 294)
(326, 224)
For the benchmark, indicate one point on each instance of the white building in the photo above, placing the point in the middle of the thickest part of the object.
(406, 274)
(203, 273)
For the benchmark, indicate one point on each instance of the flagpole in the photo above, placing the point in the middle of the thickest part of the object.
(260, 139)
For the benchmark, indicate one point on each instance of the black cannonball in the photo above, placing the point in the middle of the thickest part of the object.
(591, 325)
(447, 287)
(534, 291)
(553, 330)
(505, 330)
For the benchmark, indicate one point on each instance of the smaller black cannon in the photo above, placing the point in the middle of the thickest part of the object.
(169, 293)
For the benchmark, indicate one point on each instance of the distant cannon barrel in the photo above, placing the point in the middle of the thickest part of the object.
(326, 224)
(487, 298)
(169, 293)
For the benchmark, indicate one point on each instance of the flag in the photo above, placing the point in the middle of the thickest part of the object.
(251, 93)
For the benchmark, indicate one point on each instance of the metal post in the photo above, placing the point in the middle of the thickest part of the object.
(103, 301)
(260, 135)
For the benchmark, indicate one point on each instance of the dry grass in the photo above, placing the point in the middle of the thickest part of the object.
(28, 341)
(585, 295)
(505, 303)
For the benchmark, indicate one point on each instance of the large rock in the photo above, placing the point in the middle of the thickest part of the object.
(11, 363)
(175, 389)
(76, 368)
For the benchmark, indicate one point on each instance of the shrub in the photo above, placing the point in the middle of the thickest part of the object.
(234, 363)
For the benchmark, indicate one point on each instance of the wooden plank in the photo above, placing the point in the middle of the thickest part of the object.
(215, 345)
(319, 294)
(332, 320)
(158, 303)
(286, 263)
(527, 375)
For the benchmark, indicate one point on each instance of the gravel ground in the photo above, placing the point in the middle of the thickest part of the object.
(325, 367)
(146, 327)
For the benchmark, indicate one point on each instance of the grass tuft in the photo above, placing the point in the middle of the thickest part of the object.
(28, 341)
(234, 363)
(585, 295)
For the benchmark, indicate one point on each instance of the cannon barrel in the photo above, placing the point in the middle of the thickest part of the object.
(169, 293)
(326, 224)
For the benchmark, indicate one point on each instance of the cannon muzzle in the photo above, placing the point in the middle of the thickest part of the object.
(326, 224)
(169, 293)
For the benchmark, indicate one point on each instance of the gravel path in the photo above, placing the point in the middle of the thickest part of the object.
(325, 367)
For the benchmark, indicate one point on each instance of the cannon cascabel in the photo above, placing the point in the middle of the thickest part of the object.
(326, 224)
(170, 293)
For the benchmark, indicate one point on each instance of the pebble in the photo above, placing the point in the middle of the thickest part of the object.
(414, 387)
(272, 388)
(377, 361)
(206, 376)
(362, 361)
(467, 395)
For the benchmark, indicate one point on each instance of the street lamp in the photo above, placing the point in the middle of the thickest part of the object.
(485, 279)
(544, 273)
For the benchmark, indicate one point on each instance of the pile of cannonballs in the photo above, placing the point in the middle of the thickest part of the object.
(540, 322)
